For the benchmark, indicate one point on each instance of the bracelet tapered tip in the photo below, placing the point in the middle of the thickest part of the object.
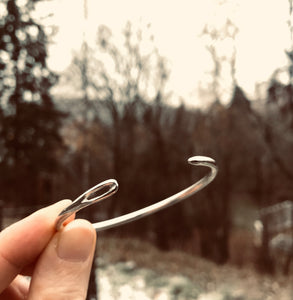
(201, 160)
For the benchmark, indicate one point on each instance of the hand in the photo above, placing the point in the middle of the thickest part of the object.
(59, 263)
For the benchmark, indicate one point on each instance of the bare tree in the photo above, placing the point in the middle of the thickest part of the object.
(220, 43)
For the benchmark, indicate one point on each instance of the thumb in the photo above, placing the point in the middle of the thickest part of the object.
(62, 271)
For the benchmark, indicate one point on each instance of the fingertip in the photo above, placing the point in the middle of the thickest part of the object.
(81, 224)
(76, 241)
(55, 208)
(69, 253)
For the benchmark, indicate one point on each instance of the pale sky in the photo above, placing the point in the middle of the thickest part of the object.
(176, 25)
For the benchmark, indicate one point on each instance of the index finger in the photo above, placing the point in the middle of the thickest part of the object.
(24, 241)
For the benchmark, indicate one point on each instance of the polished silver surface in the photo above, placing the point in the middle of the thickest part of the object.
(91, 196)
(88, 198)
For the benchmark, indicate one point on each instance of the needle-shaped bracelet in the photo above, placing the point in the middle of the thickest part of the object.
(110, 186)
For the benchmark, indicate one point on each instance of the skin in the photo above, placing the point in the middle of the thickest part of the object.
(59, 263)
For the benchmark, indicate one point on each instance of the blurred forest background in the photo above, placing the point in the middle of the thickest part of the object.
(120, 124)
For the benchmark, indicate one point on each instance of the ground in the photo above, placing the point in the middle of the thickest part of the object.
(132, 269)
